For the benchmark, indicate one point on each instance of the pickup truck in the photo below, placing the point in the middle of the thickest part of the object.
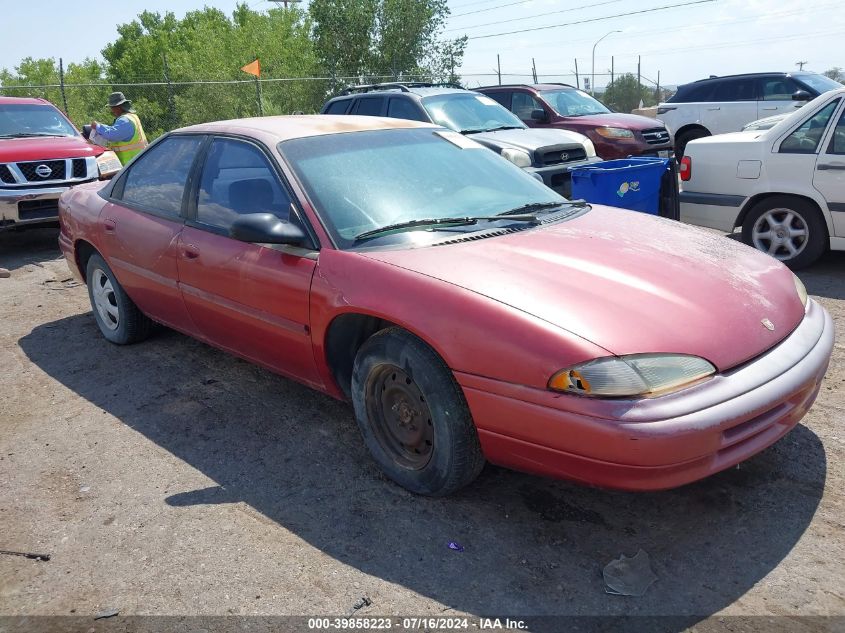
(42, 155)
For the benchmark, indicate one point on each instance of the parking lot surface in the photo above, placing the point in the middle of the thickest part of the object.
(171, 478)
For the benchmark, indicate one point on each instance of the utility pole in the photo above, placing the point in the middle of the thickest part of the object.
(611, 69)
(499, 68)
(577, 78)
(657, 97)
(801, 65)
(534, 70)
(639, 59)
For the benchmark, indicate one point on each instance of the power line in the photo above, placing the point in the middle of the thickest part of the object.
(472, 4)
(588, 20)
(531, 17)
(501, 6)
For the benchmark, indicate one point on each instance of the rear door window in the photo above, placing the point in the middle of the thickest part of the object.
(399, 108)
(370, 106)
(156, 180)
(696, 93)
(338, 107)
(735, 90)
(502, 97)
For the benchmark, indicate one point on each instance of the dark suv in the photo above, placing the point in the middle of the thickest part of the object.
(564, 107)
(718, 105)
(548, 154)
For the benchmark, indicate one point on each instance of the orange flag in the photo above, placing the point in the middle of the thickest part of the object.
(253, 68)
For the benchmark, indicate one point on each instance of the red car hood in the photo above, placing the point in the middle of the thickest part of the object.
(615, 119)
(629, 283)
(46, 148)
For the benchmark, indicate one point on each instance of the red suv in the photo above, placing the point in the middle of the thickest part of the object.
(42, 155)
(615, 135)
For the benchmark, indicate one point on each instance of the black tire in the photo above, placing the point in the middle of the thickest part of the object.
(426, 441)
(685, 137)
(128, 325)
(805, 214)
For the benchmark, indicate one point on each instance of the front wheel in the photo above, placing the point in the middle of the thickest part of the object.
(787, 228)
(413, 416)
(118, 318)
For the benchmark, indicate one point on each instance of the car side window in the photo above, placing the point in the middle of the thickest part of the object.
(156, 180)
(735, 90)
(778, 88)
(837, 143)
(371, 106)
(399, 108)
(697, 94)
(238, 179)
(523, 104)
(502, 97)
(338, 107)
(806, 139)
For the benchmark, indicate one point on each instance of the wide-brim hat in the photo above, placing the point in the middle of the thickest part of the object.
(116, 99)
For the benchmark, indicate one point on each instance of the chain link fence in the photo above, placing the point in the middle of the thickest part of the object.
(164, 106)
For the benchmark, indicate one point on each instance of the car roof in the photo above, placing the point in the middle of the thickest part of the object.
(538, 87)
(24, 100)
(395, 89)
(777, 73)
(282, 128)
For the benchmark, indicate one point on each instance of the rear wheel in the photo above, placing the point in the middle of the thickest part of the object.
(413, 416)
(117, 316)
(787, 228)
(685, 137)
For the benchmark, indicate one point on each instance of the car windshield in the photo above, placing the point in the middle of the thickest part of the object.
(469, 112)
(572, 102)
(27, 119)
(819, 83)
(361, 181)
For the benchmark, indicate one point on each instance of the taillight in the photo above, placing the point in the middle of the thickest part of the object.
(685, 168)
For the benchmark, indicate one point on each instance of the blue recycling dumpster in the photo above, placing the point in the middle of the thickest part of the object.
(629, 183)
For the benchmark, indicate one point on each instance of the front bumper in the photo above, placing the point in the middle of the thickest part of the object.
(558, 177)
(655, 443)
(27, 207)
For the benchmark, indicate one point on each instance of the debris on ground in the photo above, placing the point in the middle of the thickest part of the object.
(31, 555)
(364, 601)
(106, 613)
(456, 546)
(4, 273)
(629, 576)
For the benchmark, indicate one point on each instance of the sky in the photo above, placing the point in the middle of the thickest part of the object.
(683, 43)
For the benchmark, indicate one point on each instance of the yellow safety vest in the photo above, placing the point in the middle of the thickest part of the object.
(126, 150)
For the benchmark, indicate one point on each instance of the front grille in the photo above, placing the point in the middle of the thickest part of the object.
(56, 167)
(6, 175)
(561, 155)
(38, 209)
(79, 168)
(656, 136)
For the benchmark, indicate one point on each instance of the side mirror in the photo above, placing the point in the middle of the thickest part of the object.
(86, 131)
(539, 115)
(266, 228)
(801, 95)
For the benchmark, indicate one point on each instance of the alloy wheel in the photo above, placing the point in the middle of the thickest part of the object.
(782, 233)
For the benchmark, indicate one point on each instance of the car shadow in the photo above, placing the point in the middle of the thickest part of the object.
(19, 248)
(826, 278)
(532, 546)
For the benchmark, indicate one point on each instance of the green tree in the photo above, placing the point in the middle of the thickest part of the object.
(29, 78)
(625, 93)
(835, 73)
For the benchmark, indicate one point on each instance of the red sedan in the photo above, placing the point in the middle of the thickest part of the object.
(467, 311)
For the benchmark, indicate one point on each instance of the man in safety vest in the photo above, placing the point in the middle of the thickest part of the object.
(125, 137)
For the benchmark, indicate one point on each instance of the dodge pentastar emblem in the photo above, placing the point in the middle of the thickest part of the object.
(768, 325)
(43, 170)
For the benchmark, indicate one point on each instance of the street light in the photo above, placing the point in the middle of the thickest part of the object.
(593, 80)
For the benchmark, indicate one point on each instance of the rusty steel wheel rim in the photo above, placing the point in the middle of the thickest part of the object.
(400, 417)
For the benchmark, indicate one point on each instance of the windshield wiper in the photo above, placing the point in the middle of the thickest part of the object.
(478, 130)
(534, 206)
(435, 222)
(28, 134)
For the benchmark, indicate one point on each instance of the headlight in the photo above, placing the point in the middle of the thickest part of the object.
(108, 163)
(517, 157)
(802, 291)
(589, 147)
(633, 375)
(614, 132)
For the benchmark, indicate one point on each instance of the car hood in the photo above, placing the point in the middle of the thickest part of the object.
(529, 139)
(617, 119)
(627, 282)
(46, 148)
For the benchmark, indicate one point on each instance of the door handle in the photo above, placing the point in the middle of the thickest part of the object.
(768, 108)
(190, 252)
(716, 108)
(109, 225)
(831, 167)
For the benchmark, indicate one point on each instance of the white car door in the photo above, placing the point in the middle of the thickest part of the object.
(734, 104)
(829, 176)
(775, 94)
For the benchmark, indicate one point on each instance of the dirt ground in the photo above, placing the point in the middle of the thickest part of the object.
(170, 478)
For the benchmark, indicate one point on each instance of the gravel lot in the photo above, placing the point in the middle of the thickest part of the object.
(170, 478)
